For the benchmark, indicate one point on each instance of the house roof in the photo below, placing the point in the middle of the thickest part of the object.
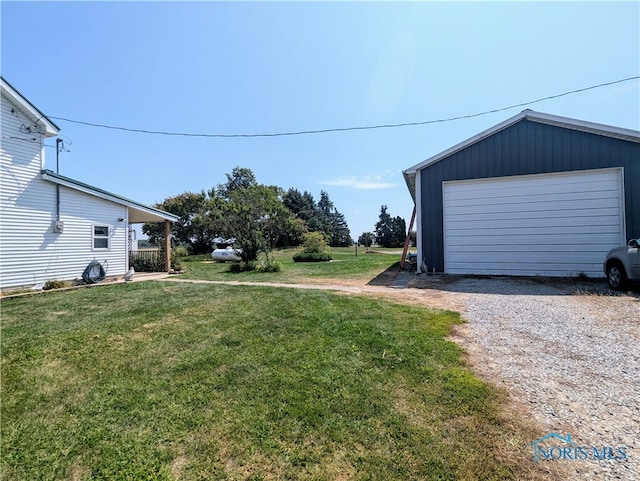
(36, 116)
(565, 122)
(137, 212)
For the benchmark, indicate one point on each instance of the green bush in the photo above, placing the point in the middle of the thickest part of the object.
(312, 257)
(315, 242)
(146, 263)
(315, 249)
(176, 264)
(180, 251)
(269, 266)
(54, 284)
(238, 267)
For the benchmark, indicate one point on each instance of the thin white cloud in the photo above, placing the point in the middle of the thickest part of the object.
(361, 183)
(621, 90)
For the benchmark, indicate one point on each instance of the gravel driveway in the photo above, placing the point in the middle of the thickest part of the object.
(567, 353)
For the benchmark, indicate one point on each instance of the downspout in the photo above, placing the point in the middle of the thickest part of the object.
(58, 142)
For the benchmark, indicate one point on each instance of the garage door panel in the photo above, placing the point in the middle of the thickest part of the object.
(570, 233)
(548, 214)
(541, 269)
(537, 257)
(530, 206)
(469, 198)
(509, 249)
(560, 224)
(548, 241)
(544, 184)
(556, 222)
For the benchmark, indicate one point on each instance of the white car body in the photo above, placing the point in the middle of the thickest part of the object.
(622, 264)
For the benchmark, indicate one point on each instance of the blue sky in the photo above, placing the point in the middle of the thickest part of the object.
(261, 67)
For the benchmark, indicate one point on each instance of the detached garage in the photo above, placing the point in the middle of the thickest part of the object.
(535, 195)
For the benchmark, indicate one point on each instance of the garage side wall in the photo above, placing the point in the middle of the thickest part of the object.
(521, 149)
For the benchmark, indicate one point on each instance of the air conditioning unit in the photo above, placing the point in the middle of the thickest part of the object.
(58, 226)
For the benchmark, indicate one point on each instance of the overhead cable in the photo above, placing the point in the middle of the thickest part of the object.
(345, 129)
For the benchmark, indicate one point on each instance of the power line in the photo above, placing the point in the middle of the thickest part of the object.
(346, 129)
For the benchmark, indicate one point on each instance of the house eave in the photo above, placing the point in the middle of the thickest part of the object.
(137, 212)
(51, 129)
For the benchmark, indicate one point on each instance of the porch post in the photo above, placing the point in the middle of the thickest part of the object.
(167, 246)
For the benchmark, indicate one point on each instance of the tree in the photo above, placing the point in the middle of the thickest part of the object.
(332, 222)
(321, 217)
(195, 227)
(390, 231)
(398, 232)
(240, 178)
(366, 239)
(383, 228)
(252, 213)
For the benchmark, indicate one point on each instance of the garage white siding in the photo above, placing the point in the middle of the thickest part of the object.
(548, 224)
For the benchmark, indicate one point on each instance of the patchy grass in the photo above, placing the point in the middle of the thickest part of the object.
(167, 381)
(344, 266)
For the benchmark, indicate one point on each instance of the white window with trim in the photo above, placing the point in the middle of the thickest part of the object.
(100, 237)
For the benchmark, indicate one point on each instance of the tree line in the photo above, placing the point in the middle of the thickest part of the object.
(389, 231)
(259, 217)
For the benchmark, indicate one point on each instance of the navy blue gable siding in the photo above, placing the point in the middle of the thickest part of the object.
(526, 147)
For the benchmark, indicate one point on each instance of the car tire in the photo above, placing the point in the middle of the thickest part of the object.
(616, 276)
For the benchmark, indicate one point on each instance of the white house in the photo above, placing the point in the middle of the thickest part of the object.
(51, 226)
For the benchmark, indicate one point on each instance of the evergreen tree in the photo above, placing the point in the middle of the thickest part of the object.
(384, 228)
(398, 232)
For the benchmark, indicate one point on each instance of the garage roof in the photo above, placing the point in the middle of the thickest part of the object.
(565, 122)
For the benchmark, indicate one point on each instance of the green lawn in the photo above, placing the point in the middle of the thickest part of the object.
(164, 381)
(345, 265)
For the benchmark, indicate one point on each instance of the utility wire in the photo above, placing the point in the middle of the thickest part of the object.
(346, 129)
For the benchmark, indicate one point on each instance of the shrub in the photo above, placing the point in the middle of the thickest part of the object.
(269, 266)
(146, 261)
(315, 249)
(314, 242)
(238, 267)
(54, 284)
(180, 251)
(312, 257)
(176, 264)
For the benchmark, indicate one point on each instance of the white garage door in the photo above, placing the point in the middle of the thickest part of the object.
(548, 224)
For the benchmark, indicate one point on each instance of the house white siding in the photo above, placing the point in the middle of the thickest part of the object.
(549, 224)
(30, 251)
(21, 215)
(46, 236)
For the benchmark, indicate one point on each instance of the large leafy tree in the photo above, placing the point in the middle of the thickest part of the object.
(366, 239)
(252, 213)
(195, 227)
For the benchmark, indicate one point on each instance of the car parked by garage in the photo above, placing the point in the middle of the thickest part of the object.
(622, 264)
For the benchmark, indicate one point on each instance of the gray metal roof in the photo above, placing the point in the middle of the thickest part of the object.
(565, 122)
(137, 212)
